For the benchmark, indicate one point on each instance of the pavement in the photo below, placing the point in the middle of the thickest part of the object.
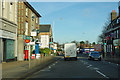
(20, 69)
(115, 60)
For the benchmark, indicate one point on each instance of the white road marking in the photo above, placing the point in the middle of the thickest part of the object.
(96, 68)
(49, 67)
(44, 70)
(53, 64)
(89, 66)
(102, 74)
(37, 72)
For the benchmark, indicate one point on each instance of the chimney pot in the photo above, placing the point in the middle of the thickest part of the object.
(113, 11)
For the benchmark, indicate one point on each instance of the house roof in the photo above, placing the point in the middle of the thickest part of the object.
(44, 28)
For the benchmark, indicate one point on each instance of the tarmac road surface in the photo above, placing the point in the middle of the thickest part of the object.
(82, 68)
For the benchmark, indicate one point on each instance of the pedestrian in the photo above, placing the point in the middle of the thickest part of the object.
(112, 54)
(103, 53)
(44, 54)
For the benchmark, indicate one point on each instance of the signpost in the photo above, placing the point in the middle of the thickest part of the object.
(27, 51)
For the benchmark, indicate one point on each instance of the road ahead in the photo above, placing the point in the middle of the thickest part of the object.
(82, 68)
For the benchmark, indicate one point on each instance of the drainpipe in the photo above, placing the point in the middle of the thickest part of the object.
(16, 43)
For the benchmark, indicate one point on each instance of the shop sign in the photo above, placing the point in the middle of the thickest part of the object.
(27, 41)
(33, 33)
(26, 37)
(116, 42)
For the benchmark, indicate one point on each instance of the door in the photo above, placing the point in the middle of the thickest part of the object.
(4, 50)
(10, 49)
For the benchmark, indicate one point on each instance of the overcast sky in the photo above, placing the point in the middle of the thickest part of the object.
(75, 20)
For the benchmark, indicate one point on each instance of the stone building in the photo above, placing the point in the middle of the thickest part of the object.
(8, 30)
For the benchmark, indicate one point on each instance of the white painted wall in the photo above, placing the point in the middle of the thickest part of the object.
(44, 41)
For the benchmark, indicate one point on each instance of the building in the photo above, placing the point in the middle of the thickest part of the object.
(28, 20)
(97, 47)
(112, 35)
(8, 30)
(45, 35)
(55, 47)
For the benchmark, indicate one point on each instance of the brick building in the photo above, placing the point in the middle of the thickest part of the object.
(28, 20)
(112, 35)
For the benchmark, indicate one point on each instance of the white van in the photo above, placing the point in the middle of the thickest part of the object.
(70, 51)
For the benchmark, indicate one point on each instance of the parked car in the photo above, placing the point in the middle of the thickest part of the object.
(94, 55)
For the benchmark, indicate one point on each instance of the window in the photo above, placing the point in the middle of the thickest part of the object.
(26, 28)
(111, 48)
(31, 27)
(117, 33)
(36, 20)
(26, 11)
(3, 3)
(32, 16)
(11, 10)
(114, 34)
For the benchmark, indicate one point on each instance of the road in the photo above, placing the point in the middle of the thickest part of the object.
(82, 68)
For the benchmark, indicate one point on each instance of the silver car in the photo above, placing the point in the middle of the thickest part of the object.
(94, 56)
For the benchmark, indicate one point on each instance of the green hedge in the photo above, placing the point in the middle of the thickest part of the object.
(46, 50)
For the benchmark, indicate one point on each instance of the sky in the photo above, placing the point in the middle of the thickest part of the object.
(75, 20)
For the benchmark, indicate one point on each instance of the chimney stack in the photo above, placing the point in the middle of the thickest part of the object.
(113, 15)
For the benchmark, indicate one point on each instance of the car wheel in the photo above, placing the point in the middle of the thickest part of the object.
(64, 59)
(76, 58)
(99, 59)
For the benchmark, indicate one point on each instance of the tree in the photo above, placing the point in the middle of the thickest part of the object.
(74, 42)
(93, 43)
(82, 42)
(101, 37)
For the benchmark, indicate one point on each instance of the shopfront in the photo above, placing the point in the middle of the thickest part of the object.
(7, 45)
(117, 47)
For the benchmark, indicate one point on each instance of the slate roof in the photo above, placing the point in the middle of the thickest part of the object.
(44, 28)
